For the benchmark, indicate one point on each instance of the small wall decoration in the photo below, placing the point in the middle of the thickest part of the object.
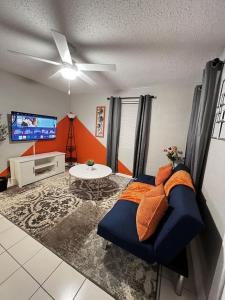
(3, 131)
(100, 121)
(219, 121)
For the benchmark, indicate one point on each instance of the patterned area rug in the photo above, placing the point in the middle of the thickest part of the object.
(65, 221)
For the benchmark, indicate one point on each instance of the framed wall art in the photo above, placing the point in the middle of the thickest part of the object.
(100, 121)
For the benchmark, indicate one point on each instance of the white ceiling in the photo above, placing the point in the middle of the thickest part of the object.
(150, 41)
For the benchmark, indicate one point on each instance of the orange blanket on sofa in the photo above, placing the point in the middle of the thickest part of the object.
(180, 177)
(135, 191)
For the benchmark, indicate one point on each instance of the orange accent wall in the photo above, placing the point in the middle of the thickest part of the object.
(87, 145)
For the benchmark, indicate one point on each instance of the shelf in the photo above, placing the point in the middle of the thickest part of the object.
(37, 156)
(49, 164)
(44, 175)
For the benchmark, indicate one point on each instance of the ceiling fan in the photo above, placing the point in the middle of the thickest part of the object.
(69, 69)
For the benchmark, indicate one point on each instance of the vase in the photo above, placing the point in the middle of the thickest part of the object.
(90, 168)
(175, 164)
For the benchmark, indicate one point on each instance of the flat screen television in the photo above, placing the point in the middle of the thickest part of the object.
(32, 127)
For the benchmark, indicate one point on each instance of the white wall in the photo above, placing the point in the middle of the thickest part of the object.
(84, 106)
(170, 119)
(213, 190)
(213, 185)
(170, 116)
(23, 95)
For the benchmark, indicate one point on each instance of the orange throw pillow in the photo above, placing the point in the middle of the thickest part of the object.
(163, 174)
(150, 211)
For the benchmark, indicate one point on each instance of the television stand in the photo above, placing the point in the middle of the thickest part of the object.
(32, 168)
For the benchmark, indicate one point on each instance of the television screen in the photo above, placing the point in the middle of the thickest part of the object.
(31, 127)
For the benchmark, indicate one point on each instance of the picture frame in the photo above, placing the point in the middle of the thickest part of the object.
(100, 121)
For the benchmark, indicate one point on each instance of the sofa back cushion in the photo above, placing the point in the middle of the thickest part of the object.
(163, 174)
(179, 178)
(150, 212)
(180, 167)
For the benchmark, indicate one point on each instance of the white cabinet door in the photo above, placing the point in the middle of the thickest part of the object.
(60, 163)
(25, 172)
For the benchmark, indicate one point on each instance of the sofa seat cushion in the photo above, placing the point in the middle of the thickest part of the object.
(146, 179)
(119, 227)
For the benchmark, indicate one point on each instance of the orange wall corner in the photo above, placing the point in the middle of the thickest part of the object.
(88, 147)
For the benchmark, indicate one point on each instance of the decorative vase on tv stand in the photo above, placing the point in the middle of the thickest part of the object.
(90, 164)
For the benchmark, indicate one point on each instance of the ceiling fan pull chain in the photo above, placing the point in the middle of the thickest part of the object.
(68, 87)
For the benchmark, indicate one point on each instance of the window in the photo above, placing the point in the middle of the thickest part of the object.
(219, 122)
(127, 134)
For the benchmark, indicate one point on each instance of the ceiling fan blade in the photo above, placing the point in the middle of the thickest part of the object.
(55, 75)
(62, 46)
(86, 78)
(36, 58)
(96, 67)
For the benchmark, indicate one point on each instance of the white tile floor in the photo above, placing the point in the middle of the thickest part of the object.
(30, 271)
(169, 281)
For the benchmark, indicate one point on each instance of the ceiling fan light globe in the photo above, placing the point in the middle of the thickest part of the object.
(68, 73)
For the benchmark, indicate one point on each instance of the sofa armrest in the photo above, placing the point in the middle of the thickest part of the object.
(182, 223)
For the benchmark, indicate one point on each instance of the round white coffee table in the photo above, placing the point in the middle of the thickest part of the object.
(84, 172)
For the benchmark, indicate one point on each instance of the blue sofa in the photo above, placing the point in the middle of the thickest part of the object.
(178, 227)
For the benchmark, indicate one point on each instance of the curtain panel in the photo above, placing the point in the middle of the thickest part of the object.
(114, 121)
(191, 137)
(204, 118)
(142, 135)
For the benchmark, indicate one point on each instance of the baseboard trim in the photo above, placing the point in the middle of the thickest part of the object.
(124, 175)
(11, 182)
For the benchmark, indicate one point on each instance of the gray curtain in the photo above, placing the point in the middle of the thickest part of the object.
(204, 119)
(192, 128)
(142, 135)
(113, 134)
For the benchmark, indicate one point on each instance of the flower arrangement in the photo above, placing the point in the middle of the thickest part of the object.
(173, 153)
(3, 131)
(90, 162)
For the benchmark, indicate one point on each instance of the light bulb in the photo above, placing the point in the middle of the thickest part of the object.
(68, 73)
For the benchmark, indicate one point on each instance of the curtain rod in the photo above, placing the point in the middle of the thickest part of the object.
(131, 102)
(153, 97)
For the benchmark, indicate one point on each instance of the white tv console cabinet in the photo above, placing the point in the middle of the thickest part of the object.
(31, 168)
